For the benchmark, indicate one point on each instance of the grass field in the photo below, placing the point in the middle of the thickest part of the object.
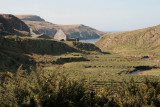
(106, 67)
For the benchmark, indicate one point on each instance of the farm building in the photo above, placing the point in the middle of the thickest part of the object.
(61, 36)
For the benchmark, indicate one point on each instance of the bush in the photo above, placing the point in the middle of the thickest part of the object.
(138, 95)
(41, 88)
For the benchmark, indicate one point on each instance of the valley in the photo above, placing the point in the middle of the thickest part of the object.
(78, 61)
(120, 69)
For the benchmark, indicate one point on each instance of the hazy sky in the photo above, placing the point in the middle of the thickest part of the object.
(105, 15)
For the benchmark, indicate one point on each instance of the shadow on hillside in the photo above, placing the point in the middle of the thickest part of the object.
(11, 61)
(67, 60)
(14, 51)
(38, 46)
(106, 53)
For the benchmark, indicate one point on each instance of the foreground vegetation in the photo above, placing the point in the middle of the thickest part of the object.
(43, 88)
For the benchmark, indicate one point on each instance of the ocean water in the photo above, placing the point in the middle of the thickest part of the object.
(95, 40)
(89, 40)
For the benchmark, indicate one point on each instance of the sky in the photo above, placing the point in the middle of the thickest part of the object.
(104, 15)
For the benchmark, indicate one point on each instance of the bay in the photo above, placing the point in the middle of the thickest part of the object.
(89, 40)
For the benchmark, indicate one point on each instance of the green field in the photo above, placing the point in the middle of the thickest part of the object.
(109, 67)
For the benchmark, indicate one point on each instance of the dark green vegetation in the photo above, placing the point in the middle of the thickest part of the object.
(42, 88)
(144, 41)
(86, 46)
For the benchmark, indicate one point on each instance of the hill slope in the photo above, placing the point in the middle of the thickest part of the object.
(40, 25)
(11, 25)
(15, 50)
(139, 41)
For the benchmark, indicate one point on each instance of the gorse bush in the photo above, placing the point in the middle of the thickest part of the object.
(138, 95)
(35, 89)
(40, 88)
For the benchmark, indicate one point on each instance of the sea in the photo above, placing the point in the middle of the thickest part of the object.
(95, 40)
(89, 40)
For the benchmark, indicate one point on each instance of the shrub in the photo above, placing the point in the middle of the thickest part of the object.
(41, 88)
(38, 88)
(138, 95)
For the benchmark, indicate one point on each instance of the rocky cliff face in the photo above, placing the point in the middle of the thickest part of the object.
(11, 25)
(80, 31)
(72, 31)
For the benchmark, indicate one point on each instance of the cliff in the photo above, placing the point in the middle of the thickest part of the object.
(72, 31)
(11, 25)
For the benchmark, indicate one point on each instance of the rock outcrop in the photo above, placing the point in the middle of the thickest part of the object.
(80, 31)
(11, 25)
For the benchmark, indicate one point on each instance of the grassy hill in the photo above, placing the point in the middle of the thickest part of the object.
(30, 51)
(38, 24)
(16, 51)
(143, 41)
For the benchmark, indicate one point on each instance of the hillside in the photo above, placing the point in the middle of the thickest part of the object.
(38, 24)
(17, 50)
(11, 25)
(139, 41)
